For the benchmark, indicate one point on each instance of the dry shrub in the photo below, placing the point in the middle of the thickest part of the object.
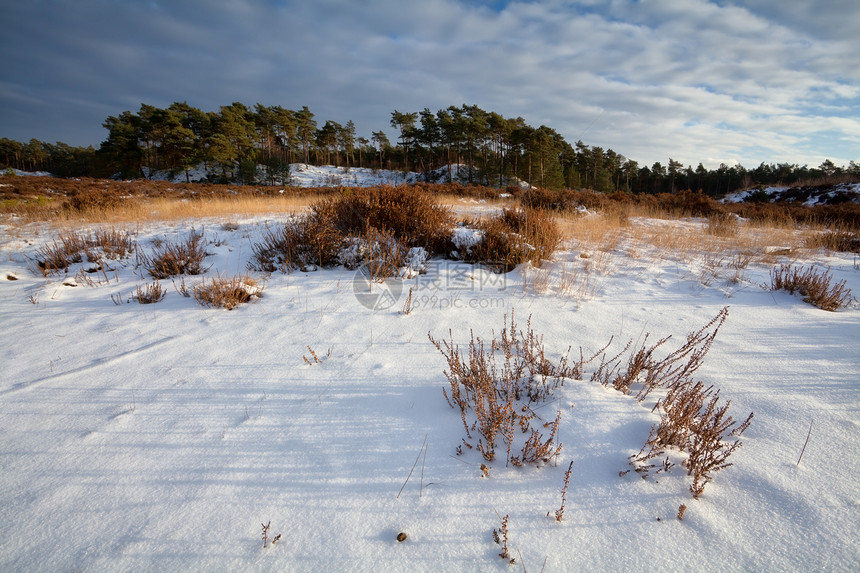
(693, 421)
(695, 204)
(377, 225)
(515, 237)
(57, 256)
(835, 240)
(495, 389)
(304, 243)
(149, 294)
(381, 253)
(815, 286)
(176, 258)
(691, 416)
(96, 200)
(411, 215)
(648, 373)
(723, 225)
(222, 292)
(115, 244)
(71, 247)
(537, 198)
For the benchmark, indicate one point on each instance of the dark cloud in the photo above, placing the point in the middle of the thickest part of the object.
(688, 79)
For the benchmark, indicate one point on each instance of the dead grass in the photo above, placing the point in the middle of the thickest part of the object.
(94, 246)
(224, 292)
(834, 240)
(723, 224)
(514, 237)
(498, 390)
(815, 286)
(69, 202)
(171, 258)
(150, 293)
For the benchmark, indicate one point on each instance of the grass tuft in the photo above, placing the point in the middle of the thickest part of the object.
(150, 293)
(176, 258)
(222, 292)
(815, 286)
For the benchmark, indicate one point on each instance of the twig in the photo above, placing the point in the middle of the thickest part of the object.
(418, 457)
(804, 443)
(266, 533)
(423, 463)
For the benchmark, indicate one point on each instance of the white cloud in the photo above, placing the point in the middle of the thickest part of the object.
(687, 79)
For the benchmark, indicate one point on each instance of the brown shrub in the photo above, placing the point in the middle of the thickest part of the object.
(71, 247)
(304, 242)
(841, 241)
(412, 216)
(149, 294)
(515, 237)
(814, 286)
(176, 258)
(495, 399)
(723, 224)
(94, 200)
(381, 253)
(221, 292)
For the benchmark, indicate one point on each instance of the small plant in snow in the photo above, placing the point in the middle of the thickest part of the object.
(814, 286)
(150, 293)
(559, 513)
(173, 259)
(227, 293)
(500, 536)
(314, 359)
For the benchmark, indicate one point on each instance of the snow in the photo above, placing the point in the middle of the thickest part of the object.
(814, 195)
(306, 175)
(160, 437)
(20, 173)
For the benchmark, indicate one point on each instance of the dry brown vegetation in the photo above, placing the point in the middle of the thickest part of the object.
(514, 237)
(813, 285)
(227, 292)
(375, 226)
(174, 258)
(73, 247)
(149, 294)
(500, 387)
(48, 198)
(498, 390)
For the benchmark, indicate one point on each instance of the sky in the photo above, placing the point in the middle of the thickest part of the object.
(725, 81)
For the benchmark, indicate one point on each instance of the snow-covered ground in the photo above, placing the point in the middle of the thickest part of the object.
(161, 437)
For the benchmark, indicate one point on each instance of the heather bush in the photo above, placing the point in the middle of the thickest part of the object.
(412, 216)
(176, 258)
(814, 286)
(222, 292)
(514, 237)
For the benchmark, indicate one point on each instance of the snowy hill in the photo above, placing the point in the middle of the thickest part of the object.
(809, 195)
(305, 175)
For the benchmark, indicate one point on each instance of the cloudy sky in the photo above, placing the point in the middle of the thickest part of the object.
(728, 81)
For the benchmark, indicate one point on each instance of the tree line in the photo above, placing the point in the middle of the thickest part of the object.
(257, 145)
